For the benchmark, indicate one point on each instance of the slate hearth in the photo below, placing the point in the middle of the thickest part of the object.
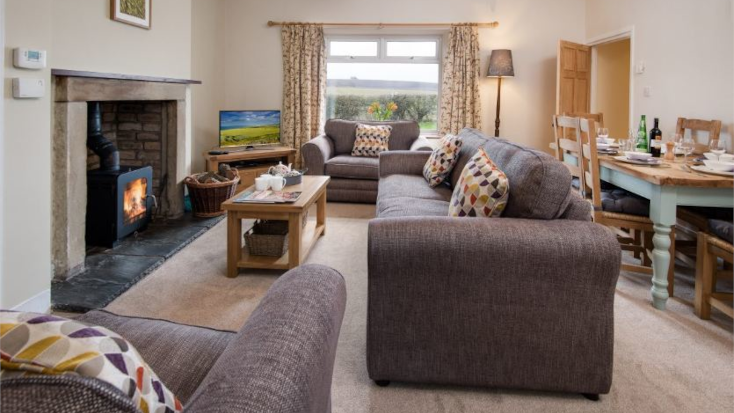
(109, 273)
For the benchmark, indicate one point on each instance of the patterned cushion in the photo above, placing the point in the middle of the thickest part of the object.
(482, 189)
(371, 140)
(442, 160)
(33, 344)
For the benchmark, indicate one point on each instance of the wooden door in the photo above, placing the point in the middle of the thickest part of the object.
(574, 78)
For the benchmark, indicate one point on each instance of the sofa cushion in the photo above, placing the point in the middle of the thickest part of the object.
(722, 229)
(411, 186)
(181, 355)
(482, 190)
(371, 140)
(541, 184)
(42, 344)
(442, 160)
(410, 207)
(354, 167)
(343, 134)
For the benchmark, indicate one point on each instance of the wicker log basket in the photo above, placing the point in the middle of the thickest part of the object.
(206, 199)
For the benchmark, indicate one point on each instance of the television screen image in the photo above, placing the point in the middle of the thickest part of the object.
(249, 127)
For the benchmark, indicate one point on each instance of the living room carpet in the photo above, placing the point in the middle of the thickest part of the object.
(663, 361)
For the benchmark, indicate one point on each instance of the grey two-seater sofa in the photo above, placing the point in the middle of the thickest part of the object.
(524, 301)
(354, 178)
(280, 361)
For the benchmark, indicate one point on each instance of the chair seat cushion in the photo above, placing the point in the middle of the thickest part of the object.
(346, 166)
(722, 229)
(412, 186)
(623, 202)
(181, 355)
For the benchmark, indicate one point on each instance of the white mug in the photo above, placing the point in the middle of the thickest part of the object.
(262, 183)
(277, 183)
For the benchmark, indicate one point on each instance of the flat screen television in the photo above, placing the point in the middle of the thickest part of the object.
(249, 128)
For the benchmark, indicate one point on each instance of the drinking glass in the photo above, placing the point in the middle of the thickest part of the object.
(717, 146)
(687, 145)
(602, 132)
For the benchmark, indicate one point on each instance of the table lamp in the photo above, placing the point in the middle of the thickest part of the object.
(500, 65)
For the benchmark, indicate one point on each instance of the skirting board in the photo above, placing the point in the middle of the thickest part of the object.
(39, 303)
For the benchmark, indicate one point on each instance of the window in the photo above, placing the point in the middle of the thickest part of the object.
(361, 70)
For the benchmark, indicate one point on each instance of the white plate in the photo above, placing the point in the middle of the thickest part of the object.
(635, 162)
(705, 169)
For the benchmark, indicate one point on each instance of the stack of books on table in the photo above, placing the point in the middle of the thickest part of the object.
(267, 197)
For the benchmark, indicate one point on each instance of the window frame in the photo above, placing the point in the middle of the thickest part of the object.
(382, 57)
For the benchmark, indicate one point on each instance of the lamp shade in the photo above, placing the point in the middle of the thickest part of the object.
(500, 64)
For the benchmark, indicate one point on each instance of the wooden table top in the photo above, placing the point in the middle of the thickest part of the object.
(310, 188)
(669, 174)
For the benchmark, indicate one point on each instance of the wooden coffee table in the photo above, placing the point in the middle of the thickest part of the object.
(300, 239)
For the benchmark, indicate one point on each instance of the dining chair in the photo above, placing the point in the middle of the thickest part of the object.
(710, 249)
(627, 214)
(567, 134)
(598, 118)
(713, 127)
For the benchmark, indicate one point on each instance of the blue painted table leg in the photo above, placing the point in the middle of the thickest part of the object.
(662, 214)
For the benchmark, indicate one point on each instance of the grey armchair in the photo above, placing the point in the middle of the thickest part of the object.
(354, 179)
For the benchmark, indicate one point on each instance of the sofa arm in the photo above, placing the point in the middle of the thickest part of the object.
(500, 302)
(283, 358)
(422, 144)
(315, 154)
(403, 162)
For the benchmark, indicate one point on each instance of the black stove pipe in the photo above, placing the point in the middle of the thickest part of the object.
(109, 157)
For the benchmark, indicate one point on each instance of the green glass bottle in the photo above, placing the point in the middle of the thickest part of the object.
(642, 143)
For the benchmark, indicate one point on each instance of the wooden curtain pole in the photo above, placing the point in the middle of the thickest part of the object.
(490, 25)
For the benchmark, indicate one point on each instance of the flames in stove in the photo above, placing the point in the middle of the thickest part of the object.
(134, 201)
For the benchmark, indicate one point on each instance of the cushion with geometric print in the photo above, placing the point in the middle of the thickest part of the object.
(42, 344)
(482, 189)
(442, 160)
(371, 140)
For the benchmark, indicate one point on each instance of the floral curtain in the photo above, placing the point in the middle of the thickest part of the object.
(460, 104)
(304, 83)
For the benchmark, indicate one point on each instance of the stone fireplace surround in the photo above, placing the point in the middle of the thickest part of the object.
(72, 92)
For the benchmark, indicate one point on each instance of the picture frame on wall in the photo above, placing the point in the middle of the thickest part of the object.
(134, 12)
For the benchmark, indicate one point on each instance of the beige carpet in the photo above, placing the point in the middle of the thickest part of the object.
(664, 361)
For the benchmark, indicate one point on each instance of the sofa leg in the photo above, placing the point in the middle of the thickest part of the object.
(594, 397)
(382, 383)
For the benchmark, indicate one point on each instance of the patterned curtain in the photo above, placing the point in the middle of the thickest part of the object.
(304, 83)
(460, 104)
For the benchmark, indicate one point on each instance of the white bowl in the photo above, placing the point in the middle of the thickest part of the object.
(607, 141)
(726, 157)
(719, 166)
(638, 156)
(711, 156)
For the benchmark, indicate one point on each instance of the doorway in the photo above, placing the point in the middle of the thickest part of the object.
(610, 85)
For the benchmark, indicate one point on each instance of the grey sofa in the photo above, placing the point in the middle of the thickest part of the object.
(354, 179)
(280, 361)
(524, 301)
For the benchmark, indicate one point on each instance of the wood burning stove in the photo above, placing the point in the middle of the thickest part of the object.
(119, 198)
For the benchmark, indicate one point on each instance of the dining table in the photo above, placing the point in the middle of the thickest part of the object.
(668, 186)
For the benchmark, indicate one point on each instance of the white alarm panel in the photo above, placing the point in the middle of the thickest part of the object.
(24, 88)
(29, 58)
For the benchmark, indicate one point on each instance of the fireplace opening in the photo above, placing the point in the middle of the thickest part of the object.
(134, 205)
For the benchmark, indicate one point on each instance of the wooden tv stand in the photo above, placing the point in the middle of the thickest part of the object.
(264, 159)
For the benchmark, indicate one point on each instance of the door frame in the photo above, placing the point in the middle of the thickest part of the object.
(611, 37)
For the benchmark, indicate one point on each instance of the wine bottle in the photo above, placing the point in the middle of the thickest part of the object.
(656, 139)
(642, 144)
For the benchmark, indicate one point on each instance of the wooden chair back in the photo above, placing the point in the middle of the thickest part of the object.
(713, 127)
(598, 118)
(590, 179)
(567, 135)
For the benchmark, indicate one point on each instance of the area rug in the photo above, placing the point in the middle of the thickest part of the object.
(663, 361)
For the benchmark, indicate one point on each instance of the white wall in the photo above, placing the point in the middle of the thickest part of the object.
(687, 49)
(531, 28)
(78, 35)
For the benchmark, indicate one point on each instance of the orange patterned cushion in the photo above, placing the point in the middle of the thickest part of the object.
(442, 160)
(371, 140)
(482, 190)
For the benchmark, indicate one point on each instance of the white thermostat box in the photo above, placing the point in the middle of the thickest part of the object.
(29, 58)
(28, 88)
